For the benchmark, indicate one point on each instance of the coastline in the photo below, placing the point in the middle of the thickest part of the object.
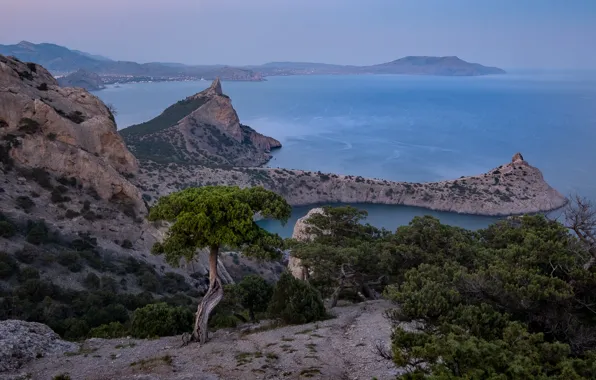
(514, 188)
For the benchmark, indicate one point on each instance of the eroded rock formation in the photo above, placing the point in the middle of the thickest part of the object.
(300, 233)
(66, 131)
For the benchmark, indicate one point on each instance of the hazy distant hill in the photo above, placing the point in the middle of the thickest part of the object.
(54, 57)
(451, 66)
(93, 56)
(62, 60)
(82, 78)
(413, 65)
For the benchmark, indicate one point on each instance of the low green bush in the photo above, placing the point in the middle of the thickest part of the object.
(25, 202)
(109, 331)
(37, 233)
(29, 126)
(126, 244)
(27, 255)
(8, 265)
(92, 281)
(148, 281)
(295, 301)
(109, 284)
(223, 321)
(70, 260)
(159, 319)
(7, 229)
(28, 273)
(254, 294)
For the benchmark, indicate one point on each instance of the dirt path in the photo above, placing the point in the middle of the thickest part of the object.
(340, 348)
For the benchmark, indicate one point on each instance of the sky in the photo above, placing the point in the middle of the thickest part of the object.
(543, 34)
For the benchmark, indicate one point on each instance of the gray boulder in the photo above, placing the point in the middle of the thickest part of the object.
(21, 342)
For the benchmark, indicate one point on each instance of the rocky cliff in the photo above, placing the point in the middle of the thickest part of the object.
(83, 79)
(513, 188)
(201, 129)
(300, 233)
(65, 131)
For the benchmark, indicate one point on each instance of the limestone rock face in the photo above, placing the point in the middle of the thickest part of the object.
(300, 233)
(21, 342)
(65, 131)
(201, 129)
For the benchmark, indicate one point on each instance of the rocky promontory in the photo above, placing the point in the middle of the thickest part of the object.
(200, 141)
(513, 188)
(203, 129)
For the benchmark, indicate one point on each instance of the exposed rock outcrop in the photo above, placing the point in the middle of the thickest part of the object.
(21, 342)
(201, 129)
(84, 79)
(300, 233)
(66, 131)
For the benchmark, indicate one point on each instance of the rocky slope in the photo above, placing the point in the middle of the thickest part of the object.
(65, 131)
(83, 79)
(513, 188)
(202, 129)
(63, 163)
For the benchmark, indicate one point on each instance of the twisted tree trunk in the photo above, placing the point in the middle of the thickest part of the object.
(210, 300)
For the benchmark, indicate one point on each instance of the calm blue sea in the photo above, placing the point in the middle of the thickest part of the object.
(407, 128)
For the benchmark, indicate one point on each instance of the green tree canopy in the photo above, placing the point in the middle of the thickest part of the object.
(254, 294)
(212, 217)
(513, 301)
(343, 252)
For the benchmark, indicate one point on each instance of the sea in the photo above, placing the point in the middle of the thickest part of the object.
(406, 128)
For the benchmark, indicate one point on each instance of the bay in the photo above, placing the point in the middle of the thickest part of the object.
(407, 128)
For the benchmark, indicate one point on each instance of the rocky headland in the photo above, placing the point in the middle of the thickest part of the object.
(203, 129)
(512, 188)
(200, 141)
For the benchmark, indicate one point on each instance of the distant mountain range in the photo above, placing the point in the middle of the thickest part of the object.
(61, 60)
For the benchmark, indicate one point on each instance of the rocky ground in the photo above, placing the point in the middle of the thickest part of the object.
(344, 347)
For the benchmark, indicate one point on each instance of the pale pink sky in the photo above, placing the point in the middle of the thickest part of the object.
(506, 33)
